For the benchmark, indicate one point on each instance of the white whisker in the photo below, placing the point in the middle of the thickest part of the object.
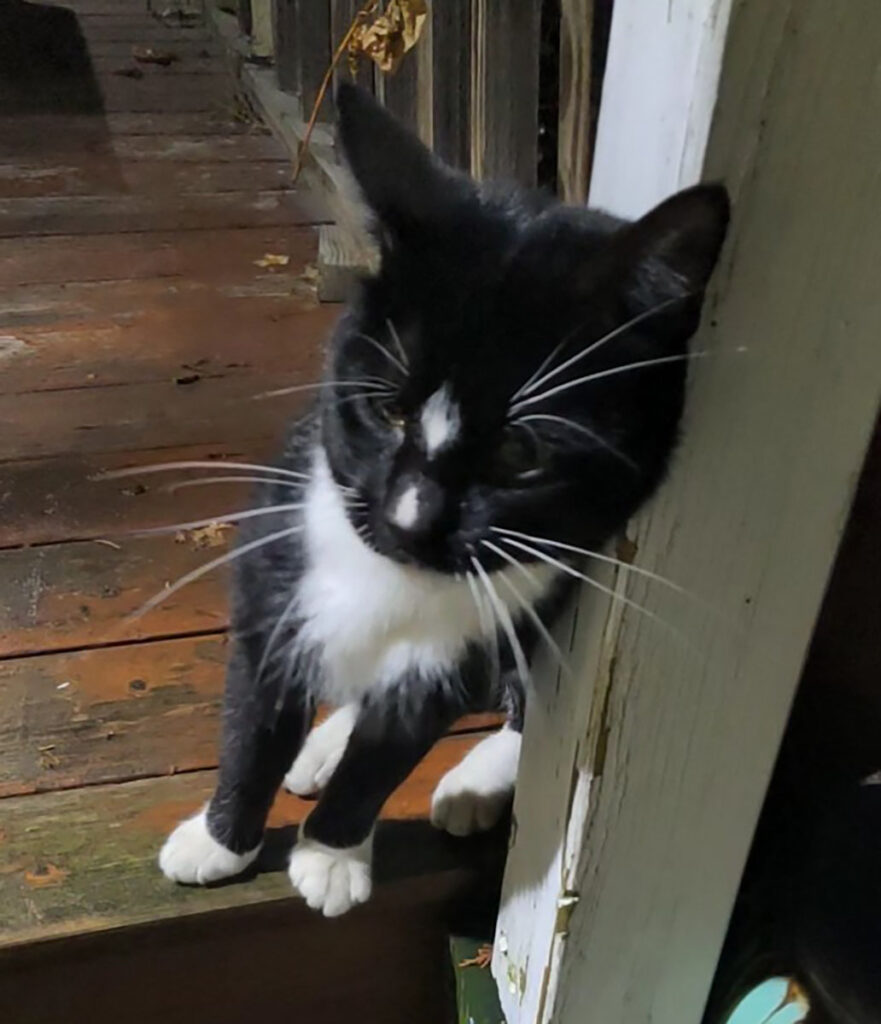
(215, 563)
(205, 480)
(545, 557)
(391, 358)
(396, 338)
(527, 607)
(487, 626)
(627, 566)
(165, 467)
(611, 372)
(276, 631)
(537, 381)
(592, 434)
(220, 520)
(364, 384)
(505, 621)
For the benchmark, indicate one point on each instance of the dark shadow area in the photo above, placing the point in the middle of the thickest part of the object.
(45, 66)
(51, 104)
(810, 900)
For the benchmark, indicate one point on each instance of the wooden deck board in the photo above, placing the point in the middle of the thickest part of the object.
(84, 860)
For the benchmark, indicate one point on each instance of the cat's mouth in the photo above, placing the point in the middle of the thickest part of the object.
(434, 556)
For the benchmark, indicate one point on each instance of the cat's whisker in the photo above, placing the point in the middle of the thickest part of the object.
(487, 626)
(379, 345)
(167, 467)
(601, 374)
(590, 581)
(203, 570)
(320, 385)
(205, 480)
(505, 621)
(396, 338)
(589, 553)
(280, 622)
(527, 607)
(573, 424)
(220, 520)
(537, 380)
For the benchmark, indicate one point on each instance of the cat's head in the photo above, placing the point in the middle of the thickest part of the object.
(515, 363)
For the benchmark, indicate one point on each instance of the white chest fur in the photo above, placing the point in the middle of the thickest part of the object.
(374, 619)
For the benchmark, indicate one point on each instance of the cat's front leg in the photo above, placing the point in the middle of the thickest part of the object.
(331, 864)
(264, 722)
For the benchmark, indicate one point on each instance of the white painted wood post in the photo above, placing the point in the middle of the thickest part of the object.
(642, 780)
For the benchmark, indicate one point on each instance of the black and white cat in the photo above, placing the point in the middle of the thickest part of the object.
(501, 396)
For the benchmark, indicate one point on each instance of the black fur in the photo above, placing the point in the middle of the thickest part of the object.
(481, 286)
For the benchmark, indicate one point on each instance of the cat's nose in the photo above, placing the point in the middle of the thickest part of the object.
(415, 506)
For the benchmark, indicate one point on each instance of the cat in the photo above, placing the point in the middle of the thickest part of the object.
(504, 392)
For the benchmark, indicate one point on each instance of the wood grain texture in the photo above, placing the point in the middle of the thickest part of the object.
(44, 501)
(98, 846)
(671, 756)
(451, 81)
(504, 91)
(573, 146)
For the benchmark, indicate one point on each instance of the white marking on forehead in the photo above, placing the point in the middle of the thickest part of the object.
(440, 420)
(407, 509)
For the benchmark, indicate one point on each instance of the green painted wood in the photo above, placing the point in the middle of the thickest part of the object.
(477, 1000)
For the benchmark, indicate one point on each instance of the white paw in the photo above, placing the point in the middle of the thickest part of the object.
(192, 857)
(473, 796)
(321, 753)
(329, 880)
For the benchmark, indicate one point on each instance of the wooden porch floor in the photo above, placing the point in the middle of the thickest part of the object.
(137, 319)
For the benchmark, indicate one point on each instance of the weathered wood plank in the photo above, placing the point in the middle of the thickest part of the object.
(47, 500)
(218, 411)
(451, 81)
(19, 135)
(211, 256)
(89, 176)
(66, 596)
(110, 714)
(504, 91)
(182, 94)
(84, 860)
(75, 138)
(60, 215)
(573, 144)
(303, 50)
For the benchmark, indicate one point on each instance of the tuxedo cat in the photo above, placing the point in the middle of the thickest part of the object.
(498, 400)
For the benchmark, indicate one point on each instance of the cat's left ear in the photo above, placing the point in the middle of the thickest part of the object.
(672, 250)
(402, 182)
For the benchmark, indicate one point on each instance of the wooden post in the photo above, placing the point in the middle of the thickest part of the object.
(573, 146)
(504, 92)
(642, 779)
(262, 41)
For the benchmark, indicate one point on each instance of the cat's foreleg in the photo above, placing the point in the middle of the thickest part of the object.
(331, 865)
(264, 724)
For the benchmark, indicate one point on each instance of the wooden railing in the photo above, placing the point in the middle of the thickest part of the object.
(470, 87)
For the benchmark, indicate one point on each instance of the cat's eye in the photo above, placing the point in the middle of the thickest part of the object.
(389, 413)
(522, 455)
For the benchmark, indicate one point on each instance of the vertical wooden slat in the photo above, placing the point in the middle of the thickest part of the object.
(399, 91)
(504, 103)
(451, 80)
(573, 146)
(262, 41)
(286, 48)
(342, 14)
(243, 8)
(303, 53)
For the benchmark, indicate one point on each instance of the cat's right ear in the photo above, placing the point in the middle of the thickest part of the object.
(404, 185)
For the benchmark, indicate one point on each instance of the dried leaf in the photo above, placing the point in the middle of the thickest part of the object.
(271, 259)
(149, 55)
(210, 536)
(45, 875)
(392, 34)
(132, 72)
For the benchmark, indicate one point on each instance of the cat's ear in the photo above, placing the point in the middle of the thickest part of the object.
(672, 250)
(401, 181)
